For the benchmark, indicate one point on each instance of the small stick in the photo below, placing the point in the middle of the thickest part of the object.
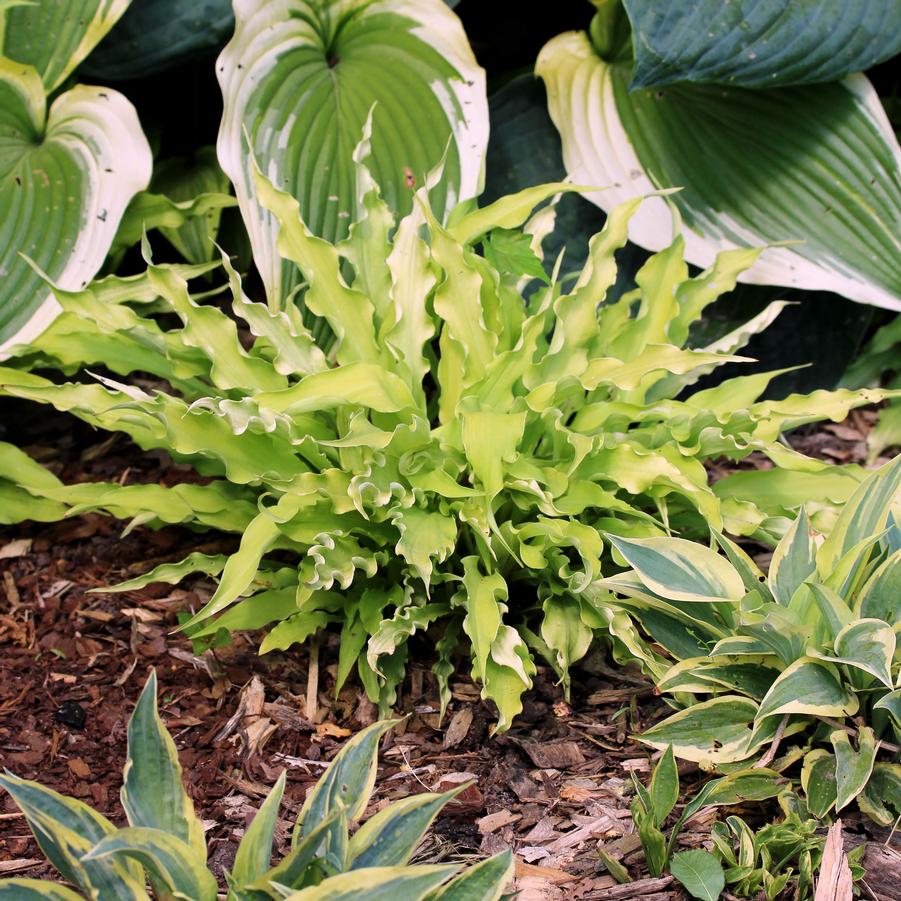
(311, 704)
(767, 758)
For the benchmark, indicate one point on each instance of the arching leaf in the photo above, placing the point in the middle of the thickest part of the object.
(54, 36)
(65, 179)
(817, 164)
(299, 78)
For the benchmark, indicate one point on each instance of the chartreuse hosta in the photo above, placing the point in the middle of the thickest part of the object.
(454, 458)
(70, 162)
(808, 652)
(164, 842)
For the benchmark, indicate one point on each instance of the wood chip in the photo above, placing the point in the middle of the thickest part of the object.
(17, 548)
(835, 883)
(497, 820)
(641, 888)
(17, 866)
(458, 727)
(554, 755)
(79, 768)
(550, 874)
(333, 731)
(12, 593)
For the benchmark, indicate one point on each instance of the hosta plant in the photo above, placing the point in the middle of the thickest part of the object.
(164, 842)
(807, 652)
(454, 457)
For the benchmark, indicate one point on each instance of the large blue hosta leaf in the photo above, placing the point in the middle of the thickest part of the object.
(818, 165)
(760, 43)
(299, 79)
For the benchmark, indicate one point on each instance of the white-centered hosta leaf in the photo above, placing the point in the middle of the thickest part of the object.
(299, 79)
(760, 43)
(54, 36)
(66, 177)
(817, 164)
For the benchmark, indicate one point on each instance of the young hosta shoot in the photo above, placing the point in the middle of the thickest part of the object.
(164, 843)
(798, 653)
(451, 460)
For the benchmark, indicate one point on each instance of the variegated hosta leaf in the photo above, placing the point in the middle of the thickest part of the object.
(378, 884)
(299, 79)
(814, 163)
(66, 177)
(54, 36)
(35, 890)
(852, 767)
(759, 44)
(486, 881)
(810, 687)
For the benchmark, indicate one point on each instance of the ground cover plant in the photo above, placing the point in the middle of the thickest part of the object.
(795, 655)
(457, 454)
(426, 428)
(164, 841)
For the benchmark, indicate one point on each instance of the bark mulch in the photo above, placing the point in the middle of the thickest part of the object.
(72, 663)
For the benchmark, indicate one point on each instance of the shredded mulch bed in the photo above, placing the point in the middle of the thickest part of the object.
(73, 662)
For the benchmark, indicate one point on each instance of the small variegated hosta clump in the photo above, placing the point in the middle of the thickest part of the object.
(164, 840)
(808, 652)
(451, 459)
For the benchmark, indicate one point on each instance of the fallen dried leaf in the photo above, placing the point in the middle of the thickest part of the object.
(17, 548)
(79, 768)
(458, 727)
(497, 820)
(332, 730)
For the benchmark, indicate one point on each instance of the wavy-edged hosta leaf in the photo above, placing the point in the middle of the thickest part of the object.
(863, 516)
(810, 687)
(54, 36)
(485, 881)
(152, 792)
(681, 570)
(169, 861)
(391, 836)
(377, 884)
(255, 850)
(814, 163)
(154, 35)
(714, 732)
(66, 176)
(208, 564)
(292, 63)
(852, 768)
(881, 799)
(759, 44)
(35, 890)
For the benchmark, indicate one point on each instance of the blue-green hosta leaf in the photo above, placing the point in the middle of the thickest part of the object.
(485, 881)
(794, 559)
(54, 36)
(852, 768)
(152, 792)
(66, 176)
(681, 570)
(36, 890)
(759, 45)
(881, 799)
(714, 732)
(288, 68)
(57, 822)
(378, 884)
(154, 35)
(868, 644)
(809, 687)
(863, 516)
(818, 781)
(169, 861)
(391, 836)
(255, 850)
(347, 783)
(814, 163)
(700, 873)
(880, 597)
